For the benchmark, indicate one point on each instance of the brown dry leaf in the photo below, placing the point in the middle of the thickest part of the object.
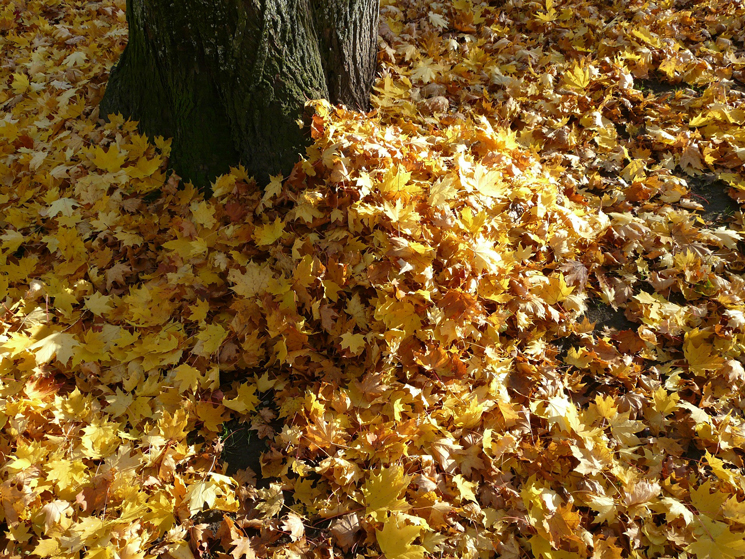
(242, 548)
(345, 530)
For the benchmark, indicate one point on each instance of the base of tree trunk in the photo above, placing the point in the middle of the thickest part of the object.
(228, 80)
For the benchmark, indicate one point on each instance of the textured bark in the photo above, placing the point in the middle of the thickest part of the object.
(342, 29)
(228, 79)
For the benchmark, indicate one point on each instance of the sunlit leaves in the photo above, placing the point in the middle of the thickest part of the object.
(58, 345)
(396, 539)
(382, 492)
(412, 320)
(716, 541)
(577, 77)
(245, 400)
(214, 492)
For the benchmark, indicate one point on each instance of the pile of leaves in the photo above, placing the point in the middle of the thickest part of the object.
(412, 321)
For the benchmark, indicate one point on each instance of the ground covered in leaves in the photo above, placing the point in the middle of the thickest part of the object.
(500, 315)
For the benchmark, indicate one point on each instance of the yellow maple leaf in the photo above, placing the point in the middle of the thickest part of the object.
(293, 524)
(271, 191)
(577, 77)
(184, 247)
(12, 240)
(303, 274)
(223, 185)
(665, 403)
(307, 213)
(604, 505)
(734, 180)
(242, 548)
(75, 59)
(485, 254)
(331, 290)
(269, 233)
(578, 357)
(484, 181)
(382, 489)
(700, 354)
(20, 83)
(199, 310)
(9, 131)
(690, 158)
(647, 36)
(245, 401)
(65, 206)
(61, 344)
(211, 337)
(443, 190)
(210, 492)
(172, 426)
(561, 411)
(468, 415)
(118, 403)
(110, 161)
(734, 510)
(67, 475)
(438, 20)
(717, 466)
(673, 508)
(556, 290)
(396, 539)
(634, 169)
(701, 119)
(92, 348)
(591, 461)
(98, 303)
(264, 383)
(706, 502)
(355, 343)
(211, 414)
(47, 547)
(15, 343)
(100, 438)
(186, 377)
(542, 549)
(254, 281)
(144, 167)
(715, 541)
(465, 488)
(549, 15)
(396, 180)
(426, 70)
(203, 214)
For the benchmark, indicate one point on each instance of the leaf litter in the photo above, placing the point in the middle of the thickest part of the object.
(402, 321)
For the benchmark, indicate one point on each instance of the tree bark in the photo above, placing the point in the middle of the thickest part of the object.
(228, 79)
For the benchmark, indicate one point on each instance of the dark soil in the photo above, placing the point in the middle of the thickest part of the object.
(659, 86)
(243, 449)
(604, 316)
(711, 193)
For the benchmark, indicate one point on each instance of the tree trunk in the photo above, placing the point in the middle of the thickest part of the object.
(228, 79)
